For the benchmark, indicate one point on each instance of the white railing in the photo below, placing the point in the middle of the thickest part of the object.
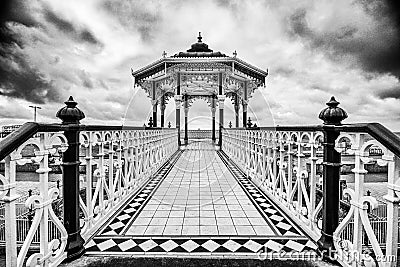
(117, 163)
(349, 250)
(283, 164)
(52, 247)
(278, 163)
(200, 134)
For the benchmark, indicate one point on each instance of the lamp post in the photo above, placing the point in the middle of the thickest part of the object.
(35, 108)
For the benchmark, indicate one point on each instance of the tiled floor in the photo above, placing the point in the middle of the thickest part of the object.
(199, 197)
(200, 202)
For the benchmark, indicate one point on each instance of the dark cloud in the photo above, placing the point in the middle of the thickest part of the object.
(393, 92)
(135, 15)
(14, 11)
(69, 28)
(19, 79)
(376, 51)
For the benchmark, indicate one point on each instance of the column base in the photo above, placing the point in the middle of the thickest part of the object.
(75, 248)
(326, 248)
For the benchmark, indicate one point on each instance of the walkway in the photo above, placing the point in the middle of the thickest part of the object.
(196, 204)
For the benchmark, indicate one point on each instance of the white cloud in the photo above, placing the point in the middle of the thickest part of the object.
(302, 78)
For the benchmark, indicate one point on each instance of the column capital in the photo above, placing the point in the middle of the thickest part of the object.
(178, 100)
(154, 102)
(221, 99)
(186, 110)
(213, 109)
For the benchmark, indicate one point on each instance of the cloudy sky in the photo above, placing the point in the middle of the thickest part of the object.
(312, 49)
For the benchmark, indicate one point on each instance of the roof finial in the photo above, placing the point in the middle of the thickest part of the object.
(164, 54)
(234, 53)
(199, 38)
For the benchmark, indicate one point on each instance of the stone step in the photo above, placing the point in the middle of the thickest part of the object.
(121, 261)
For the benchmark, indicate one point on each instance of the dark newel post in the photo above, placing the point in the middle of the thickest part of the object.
(332, 116)
(70, 116)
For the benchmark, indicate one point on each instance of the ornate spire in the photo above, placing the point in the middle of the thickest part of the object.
(199, 38)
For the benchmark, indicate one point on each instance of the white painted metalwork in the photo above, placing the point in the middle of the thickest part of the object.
(350, 251)
(117, 163)
(283, 165)
(51, 251)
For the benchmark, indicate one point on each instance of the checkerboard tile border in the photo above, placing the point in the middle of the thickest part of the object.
(198, 246)
(267, 208)
(123, 218)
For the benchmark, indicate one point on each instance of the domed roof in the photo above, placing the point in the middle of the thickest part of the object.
(199, 49)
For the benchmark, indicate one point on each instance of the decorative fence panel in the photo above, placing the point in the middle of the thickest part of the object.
(283, 164)
(116, 163)
(200, 134)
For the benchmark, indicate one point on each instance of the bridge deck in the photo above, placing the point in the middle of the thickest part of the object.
(199, 203)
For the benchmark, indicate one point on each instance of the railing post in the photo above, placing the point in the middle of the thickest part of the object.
(332, 115)
(70, 116)
(10, 219)
(392, 199)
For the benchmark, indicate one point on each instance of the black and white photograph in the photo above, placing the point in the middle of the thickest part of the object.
(218, 133)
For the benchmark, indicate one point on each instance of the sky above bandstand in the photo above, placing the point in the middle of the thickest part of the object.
(50, 50)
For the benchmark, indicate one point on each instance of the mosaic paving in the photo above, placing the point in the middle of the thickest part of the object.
(200, 202)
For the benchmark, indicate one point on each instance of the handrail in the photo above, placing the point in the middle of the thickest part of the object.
(29, 129)
(376, 130)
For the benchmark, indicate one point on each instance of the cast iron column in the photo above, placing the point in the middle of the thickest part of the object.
(162, 108)
(221, 99)
(244, 113)
(70, 116)
(186, 111)
(154, 102)
(332, 116)
(236, 107)
(213, 109)
(178, 100)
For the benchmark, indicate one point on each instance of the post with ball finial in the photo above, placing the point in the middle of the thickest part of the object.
(332, 117)
(70, 116)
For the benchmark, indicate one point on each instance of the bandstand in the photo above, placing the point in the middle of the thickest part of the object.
(200, 73)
